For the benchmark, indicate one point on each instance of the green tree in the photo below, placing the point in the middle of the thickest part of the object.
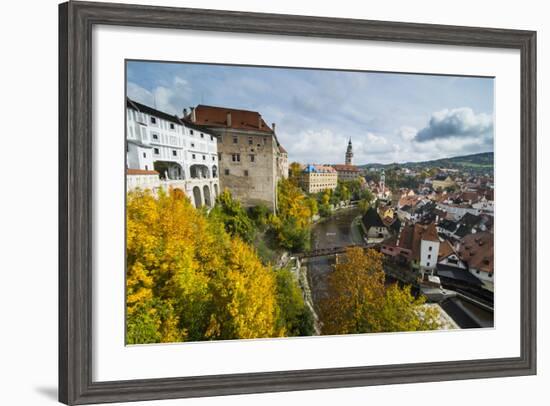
(234, 217)
(295, 317)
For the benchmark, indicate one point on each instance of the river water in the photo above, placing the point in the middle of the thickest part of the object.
(332, 232)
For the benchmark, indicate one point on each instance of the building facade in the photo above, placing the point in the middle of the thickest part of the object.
(250, 157)
(316, 178)
(163, 151)
(347, 172)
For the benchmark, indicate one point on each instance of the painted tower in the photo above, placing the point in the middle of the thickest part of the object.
(349, 153)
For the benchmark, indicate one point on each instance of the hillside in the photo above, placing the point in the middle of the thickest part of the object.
(483, 161)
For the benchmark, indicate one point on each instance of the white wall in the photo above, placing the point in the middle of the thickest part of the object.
(29, 213)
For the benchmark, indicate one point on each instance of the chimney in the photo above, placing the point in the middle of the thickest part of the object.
(273, 126)
(259, 121)
(228, 120)
(193, 115)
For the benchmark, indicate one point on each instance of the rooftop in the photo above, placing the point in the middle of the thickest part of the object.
(225, 117)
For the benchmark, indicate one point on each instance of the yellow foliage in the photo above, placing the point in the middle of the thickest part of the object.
(359, 302)
(187, 280)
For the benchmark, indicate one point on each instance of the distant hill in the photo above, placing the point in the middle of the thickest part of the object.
(475, 162)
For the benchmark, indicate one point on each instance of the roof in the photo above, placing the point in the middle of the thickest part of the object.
(445, 249)
(477, 250)
(470, 220)
(347, 168)
(140, 172)
(314, 168)
(450, 272)
(372, 219)
(213, 116)
(406, 237)
(149, 110)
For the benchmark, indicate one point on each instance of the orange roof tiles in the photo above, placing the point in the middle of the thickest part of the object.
(212, 116)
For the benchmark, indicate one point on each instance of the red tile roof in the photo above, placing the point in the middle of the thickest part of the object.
(478, 251)
(348, 168)
(212, 116)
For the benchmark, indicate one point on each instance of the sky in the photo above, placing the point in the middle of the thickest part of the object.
(389, 117)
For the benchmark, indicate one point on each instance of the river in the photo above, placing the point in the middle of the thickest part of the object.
(334, 231)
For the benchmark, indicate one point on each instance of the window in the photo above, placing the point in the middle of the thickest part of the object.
(202, 135)
(226, 171)
(194, 156)
(236, 157)
(155, 136)
(490, 275)
(213, 158)
(153, 120)
(245, 172)
(429, 249)
(477, 272)
(192, 145)
(235, 140)
(250, 141)
(428, 264)
(156, 151)
(219, 156)
(251, 157)
(191, 132)
(429, 256)
(146, 167)
(172, 126)
(174, 152)
(204, 157)
(211, 138)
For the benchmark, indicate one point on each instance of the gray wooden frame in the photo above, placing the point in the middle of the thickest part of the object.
(76, 20)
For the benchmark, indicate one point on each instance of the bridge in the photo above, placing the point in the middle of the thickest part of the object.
(323, 252)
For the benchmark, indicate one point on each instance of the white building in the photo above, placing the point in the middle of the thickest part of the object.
(171, 153)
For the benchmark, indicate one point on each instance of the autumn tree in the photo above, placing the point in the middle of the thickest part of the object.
(359, 302)
(188, 279)
(294, 173)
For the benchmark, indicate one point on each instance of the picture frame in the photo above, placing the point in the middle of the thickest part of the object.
(76, 20)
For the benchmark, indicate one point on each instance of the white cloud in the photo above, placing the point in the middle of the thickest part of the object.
(456, 123)
(169, 99)
(407, 133)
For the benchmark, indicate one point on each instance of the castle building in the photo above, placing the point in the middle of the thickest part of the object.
(163, 151)
(250, 157)
(316, 178)
(349, 153)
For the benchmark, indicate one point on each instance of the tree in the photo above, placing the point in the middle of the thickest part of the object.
(234, 217)
(188, 279)
(295, 317)
(294, 173)
(359, 302)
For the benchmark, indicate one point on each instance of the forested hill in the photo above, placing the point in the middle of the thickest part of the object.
(482, 161)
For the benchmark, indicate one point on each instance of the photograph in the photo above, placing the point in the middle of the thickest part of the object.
(282, 202)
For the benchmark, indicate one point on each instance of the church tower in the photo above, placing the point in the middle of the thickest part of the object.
(349, 153)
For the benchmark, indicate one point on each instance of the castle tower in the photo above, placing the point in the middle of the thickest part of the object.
(349, 153)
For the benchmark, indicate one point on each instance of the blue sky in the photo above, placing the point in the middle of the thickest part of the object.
(389, 117)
